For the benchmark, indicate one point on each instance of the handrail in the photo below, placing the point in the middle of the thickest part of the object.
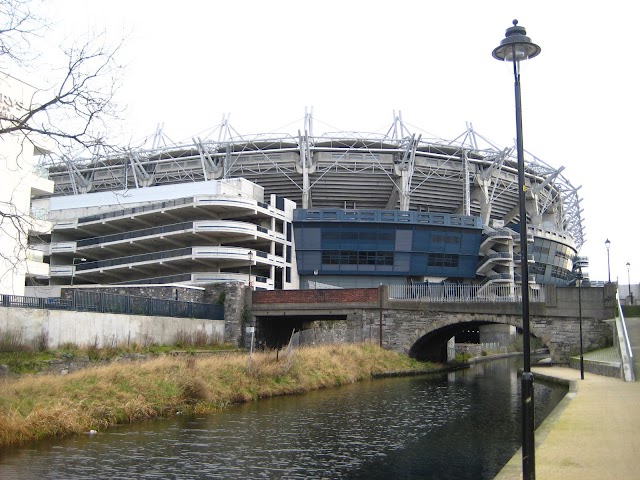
(627, 342)
(627, 357)
(452, 293)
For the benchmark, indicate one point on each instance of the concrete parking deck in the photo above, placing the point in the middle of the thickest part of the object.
(594, 433)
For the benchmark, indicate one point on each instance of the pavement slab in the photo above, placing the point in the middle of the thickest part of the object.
(594, 433)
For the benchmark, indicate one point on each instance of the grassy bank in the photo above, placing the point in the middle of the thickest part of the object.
(36, 407)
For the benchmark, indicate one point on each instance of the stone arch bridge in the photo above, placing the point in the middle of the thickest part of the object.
(422, 328)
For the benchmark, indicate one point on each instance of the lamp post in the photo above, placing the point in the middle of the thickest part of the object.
(252, 328)
(73, 267)
(514, 48)
(579, 278)
(315, 279)
(607, 244)
(629, 280)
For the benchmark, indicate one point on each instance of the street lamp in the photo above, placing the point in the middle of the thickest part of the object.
(514, 48)
(250, 263)
(579, 278)
(607, 244)
(315, 279)
(629, 280)
(73, 266)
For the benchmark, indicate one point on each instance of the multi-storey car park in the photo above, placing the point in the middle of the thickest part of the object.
(394, 208)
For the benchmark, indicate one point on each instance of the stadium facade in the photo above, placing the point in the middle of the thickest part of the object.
(336, 210)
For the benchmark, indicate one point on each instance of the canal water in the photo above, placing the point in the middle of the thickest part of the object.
(460, 425)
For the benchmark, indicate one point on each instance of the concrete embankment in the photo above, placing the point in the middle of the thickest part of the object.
(594, 433)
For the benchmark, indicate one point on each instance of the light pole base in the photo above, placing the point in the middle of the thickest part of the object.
(528, 425)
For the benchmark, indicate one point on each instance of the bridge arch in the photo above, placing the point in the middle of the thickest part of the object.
(429, 341)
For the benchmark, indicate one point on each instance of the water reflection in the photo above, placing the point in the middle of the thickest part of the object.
(459, 425)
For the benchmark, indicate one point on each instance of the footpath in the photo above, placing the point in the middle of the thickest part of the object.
(594, 433)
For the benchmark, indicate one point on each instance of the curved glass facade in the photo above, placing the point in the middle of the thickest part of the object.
(553, 261)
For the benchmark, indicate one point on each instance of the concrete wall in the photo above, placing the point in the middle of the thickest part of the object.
(19, 183)
(497, 333)
(100, 329)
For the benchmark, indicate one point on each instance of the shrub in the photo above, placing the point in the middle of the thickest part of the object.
(41, 341)
(221, 298)
(12, 341)
(182, 338)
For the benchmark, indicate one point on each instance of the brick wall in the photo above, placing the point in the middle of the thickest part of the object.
(349, 295)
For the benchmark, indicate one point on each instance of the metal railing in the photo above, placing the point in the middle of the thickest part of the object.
(452, 293)
(143, 257)
(624, 344)
(101, 302)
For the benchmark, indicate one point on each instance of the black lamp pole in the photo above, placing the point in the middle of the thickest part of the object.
(515, 47)
(579, 278)
(608, 245)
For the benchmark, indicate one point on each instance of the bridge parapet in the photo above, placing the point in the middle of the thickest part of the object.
(487, 293)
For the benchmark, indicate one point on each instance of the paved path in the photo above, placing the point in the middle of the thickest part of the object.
(594, 433)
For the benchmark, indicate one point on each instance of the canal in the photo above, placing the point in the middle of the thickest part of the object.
(462, 425)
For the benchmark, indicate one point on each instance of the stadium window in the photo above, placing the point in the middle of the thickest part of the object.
(559, 272)
(384, 258)
(537, 269)
(331, 257)
(442, 260)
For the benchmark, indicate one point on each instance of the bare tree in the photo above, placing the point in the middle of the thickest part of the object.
(65, 112)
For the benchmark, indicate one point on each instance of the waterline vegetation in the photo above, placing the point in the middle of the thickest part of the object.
(36, 407)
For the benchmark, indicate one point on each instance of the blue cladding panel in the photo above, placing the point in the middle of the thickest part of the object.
(381, 242)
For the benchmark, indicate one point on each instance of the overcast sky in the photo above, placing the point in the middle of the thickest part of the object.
(188, 63)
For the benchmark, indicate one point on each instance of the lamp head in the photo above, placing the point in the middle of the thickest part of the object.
(516, 46)
(607, 243)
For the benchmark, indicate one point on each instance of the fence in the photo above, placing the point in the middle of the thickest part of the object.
(100, 302)
(452, 293)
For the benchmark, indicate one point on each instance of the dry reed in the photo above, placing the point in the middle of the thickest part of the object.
(36, 407)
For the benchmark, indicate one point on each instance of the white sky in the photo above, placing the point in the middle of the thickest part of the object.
(355, 62)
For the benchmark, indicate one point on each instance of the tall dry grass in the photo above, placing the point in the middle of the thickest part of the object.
(37, 407)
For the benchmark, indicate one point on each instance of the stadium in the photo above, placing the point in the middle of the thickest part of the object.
(334, 210)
